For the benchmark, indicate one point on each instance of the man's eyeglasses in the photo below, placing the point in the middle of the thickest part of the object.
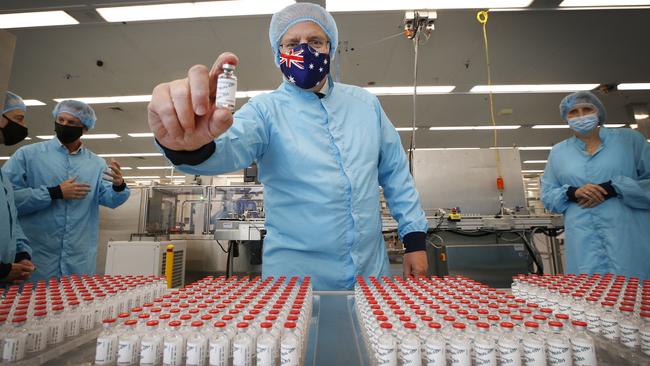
(317, 44)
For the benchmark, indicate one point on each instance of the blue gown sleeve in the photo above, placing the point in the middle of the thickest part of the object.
(22, 243)
(554, 195)
(396, 180)
(244, 142)
(108, 196)
(28, 199)
(636, 192)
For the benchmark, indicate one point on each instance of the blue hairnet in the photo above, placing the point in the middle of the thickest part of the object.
(300, 12)
(78, 109)
(13, 101)
(582, 98)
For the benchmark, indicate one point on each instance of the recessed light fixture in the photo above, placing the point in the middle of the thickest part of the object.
(633, 86)
(188, 10)
(386, 5)
(535, 148)
(141, 134)
(474, 128)
(154, 167)
(90, 136)
(548, 127)
(446, 148)
(532, 88)
(105, 100)
(532, 171)
(408, 90)
(33, 102)
(36, 19)
(535, 161)
(400, 129)
(142, 177)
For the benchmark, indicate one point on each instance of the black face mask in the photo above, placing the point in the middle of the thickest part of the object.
(13, 132)
(67, 134)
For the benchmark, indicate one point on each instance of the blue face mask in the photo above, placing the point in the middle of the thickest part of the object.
(583, 125)
(304, 66)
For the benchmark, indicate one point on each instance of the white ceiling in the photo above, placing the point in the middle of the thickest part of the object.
(527, 47)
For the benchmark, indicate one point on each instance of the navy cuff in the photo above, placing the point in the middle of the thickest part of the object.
(55, 192)
(611, 192)
(195, 157)
(5, 268)
(415, 241)
(119, 188)
(571, 194)
(21, 256)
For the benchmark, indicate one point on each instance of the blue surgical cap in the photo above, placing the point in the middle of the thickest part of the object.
(300, 12)
(12, 102)
(582, 98)
(78, 109)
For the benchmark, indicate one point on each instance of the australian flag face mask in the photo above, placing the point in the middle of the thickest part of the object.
(304, 66)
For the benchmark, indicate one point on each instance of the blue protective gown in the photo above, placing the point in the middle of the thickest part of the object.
(63, 233)
(615, 235)
(12, 238)
(321, 162)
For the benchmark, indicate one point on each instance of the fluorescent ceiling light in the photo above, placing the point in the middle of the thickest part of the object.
(115, 99)
(535, 88)
(141, 134)
(634, 126)
(192, 10)
(614, 125)
(142, 177)
(547, 127)
(36, 19)
(641, 116)
(385, 5)
(405, 128)
(535, 161)
(129, 155)
(32, 102)
(28, 138)
(154, 167)
(408, 90)
(4, 157)
(251, 93)
(532, 171)
(90, 136)
(446, 148)
(633, 86)
(100, 136)
(471, 128)
(126, 168)
(535, 148)
(580, 3)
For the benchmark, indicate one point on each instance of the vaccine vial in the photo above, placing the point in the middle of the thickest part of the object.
(227, 87)
(106, 351)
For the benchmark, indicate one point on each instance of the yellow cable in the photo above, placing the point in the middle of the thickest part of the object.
(482, 17)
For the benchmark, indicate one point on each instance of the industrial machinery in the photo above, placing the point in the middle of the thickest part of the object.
(145, 258)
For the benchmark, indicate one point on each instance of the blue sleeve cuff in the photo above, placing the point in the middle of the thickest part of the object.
(571, 194)
(415, 241)
(611, 191)
(119, 188)
(195, 157)
(22, 255)
(5, 268)
(55, 192)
